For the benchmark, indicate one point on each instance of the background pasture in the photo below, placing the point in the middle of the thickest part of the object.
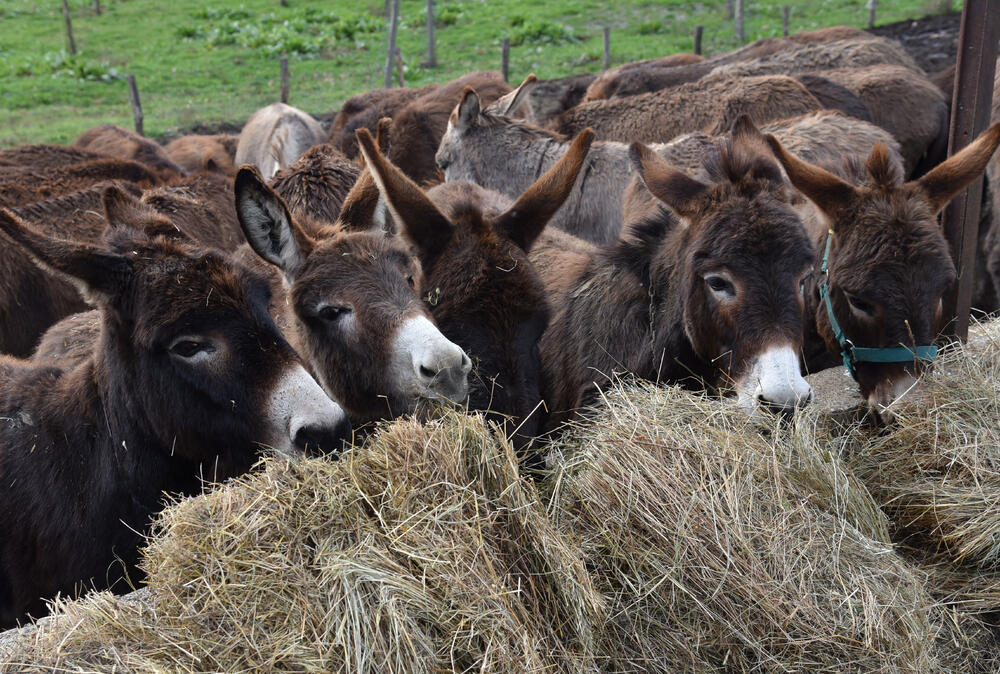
(200, 65)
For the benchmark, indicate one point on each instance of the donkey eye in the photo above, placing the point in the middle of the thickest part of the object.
(720, 285)
(860, 306)
(333, 313)
(189, 348)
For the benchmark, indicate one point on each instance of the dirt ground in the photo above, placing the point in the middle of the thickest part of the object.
(932, 41)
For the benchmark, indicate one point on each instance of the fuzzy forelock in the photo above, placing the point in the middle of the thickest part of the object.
(741, 159)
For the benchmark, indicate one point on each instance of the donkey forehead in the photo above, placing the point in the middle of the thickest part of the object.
(749, 232)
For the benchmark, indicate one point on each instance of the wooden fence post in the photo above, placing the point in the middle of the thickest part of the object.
(785, 16)
(284, 78)
(431, 61)
(740, 28)
(730, 9)
(698, 32)
(391, 51)
(607, 47)
(977, 54)
(97, 7)
(133, 98)
(505, 59)
(872, 8)
(399, 67)
(69, 28)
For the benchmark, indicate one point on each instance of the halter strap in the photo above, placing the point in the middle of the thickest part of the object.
(853, 354)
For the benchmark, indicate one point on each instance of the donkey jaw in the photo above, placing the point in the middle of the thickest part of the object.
(425, 365)
(301, 417)
(773, 381)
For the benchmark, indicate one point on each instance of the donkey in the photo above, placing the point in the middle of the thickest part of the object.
(316, 184)
(503, 154)
(196, 153)
(46, 156)
(887, 263)
(711, 299)
(484, 292)
(19, 186)
(114, 141)
(364, 112)
(349, 298)
(275, 136)
(188, 379)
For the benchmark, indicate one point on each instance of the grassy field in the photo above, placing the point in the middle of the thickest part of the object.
(204, 63)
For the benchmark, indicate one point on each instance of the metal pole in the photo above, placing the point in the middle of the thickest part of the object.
(431, 61)
(698, 32)
(69, 28)
(505, 59)
(284, 78)
(607, 47)
(391, 51)
(133, 98)
(970, 115)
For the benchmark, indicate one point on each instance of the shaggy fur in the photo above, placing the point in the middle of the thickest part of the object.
(88, 452)
(317, 183)
(365, 110)
(114, 141)
(640, 305)
(889, 262)
(202, 207)
(833, 96)
(418, 127)
(550, 98)
(711, 106)
(276, 136)
(197, 153)
(19, 186)
(46, 156)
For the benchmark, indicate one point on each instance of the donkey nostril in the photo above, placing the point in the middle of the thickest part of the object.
(323, 439)
(427, 373)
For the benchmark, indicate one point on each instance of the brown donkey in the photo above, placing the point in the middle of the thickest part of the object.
(484, 292)
(353, 297)
(188, 379)
(888, 265)
(711, 298)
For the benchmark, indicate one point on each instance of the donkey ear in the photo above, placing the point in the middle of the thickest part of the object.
(99, 275)
(357, 214)
(513, 99)
(466, 113)
(415, 214)
(527, 217)
(122, 210)
(952, 176)
(672, 186)
(827, 191)
(267, 224)
(744, 128)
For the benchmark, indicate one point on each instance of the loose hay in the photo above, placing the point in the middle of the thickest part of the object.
(675, 536)
(937, 471)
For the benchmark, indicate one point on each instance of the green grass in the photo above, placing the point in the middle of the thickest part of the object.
(210, 62)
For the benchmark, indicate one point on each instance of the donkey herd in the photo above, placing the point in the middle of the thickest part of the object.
(726, 224)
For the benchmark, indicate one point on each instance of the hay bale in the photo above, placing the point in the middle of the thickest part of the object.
(722, 547)
(936, 472)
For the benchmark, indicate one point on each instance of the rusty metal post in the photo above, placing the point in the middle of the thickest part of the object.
(970, 115)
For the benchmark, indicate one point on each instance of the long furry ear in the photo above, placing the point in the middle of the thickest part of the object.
(358, 212)
(512, 100)
(268, 225)
(676, 189)
(944, 182)
(122, 210)
(466, 113)
(830, 194)
(100, 275)
(415, 214)
(527, 217)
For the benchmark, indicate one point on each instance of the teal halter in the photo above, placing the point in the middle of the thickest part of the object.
(854, 354)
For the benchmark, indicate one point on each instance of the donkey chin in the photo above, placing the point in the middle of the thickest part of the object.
(773, 382)
(888, 393)
(429, 367)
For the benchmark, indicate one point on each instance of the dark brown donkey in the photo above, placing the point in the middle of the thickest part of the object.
(712, 298)
(352, 306)
(889, 263)
(482, 288)
(188, 379)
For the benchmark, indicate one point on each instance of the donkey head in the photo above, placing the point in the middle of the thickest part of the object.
(889, 263)
(485, 293)
(355, 295)
(189, 359)
(737, 265)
